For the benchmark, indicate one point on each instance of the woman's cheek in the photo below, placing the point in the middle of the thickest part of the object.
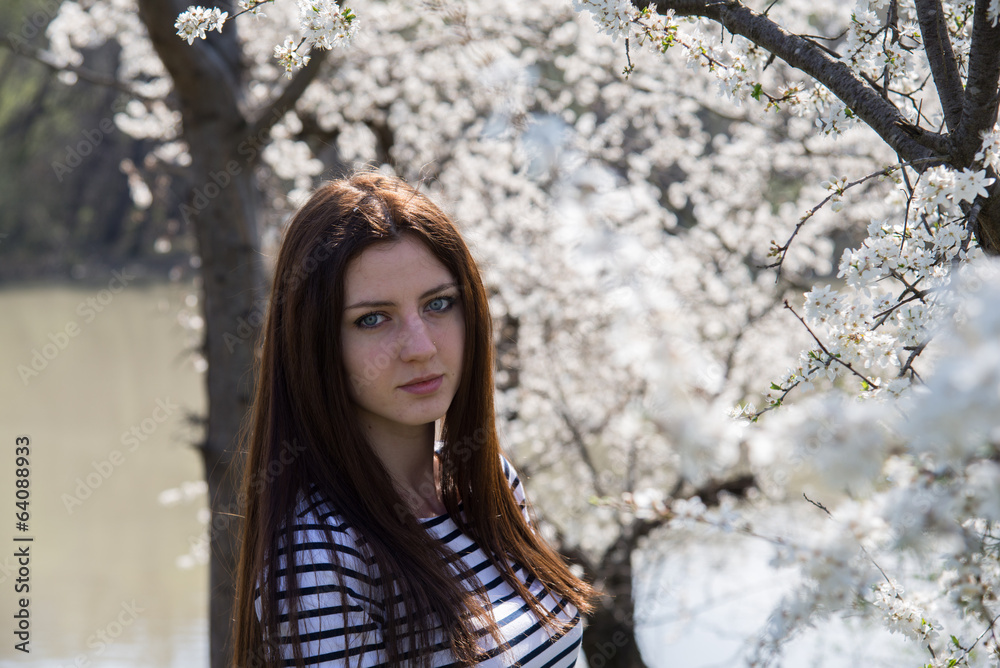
(366, 362)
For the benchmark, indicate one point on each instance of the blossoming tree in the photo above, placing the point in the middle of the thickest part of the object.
(626, 225)
(919, 456)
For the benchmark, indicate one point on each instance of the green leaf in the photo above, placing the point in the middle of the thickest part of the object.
(756, 91)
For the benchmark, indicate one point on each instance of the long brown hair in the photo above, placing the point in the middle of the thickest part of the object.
(304, 432)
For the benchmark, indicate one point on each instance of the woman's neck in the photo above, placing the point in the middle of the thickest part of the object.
(408, 455)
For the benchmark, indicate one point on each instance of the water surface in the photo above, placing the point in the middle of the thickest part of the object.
(105, 587)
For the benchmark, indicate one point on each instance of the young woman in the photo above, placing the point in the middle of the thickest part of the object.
(366, 541)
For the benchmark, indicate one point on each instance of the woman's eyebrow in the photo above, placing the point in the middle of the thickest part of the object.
(380, 304)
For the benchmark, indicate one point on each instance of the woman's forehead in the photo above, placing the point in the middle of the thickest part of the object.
(393, 268)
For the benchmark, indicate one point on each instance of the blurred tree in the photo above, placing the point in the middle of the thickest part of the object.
(57, 220)
(622, 226)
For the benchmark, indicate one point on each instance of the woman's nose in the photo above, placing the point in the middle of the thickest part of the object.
(416, 342)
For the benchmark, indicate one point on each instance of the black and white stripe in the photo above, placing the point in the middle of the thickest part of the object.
(326, 588)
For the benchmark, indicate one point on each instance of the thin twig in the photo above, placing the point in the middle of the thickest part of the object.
(863, 549)
(817, 504)
(40, 56)
(781, 251)
(830, 356)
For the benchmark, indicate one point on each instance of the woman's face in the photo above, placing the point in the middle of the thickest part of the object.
(403, 336)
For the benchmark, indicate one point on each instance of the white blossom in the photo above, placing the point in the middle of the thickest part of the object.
(989, 154)
(902, 615)
(325, 24)
(195, 22)
(252, 7)
(289, 56)
(613, 16)
(820, 304)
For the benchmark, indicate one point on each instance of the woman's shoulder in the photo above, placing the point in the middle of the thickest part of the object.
(317, 527)
(314, 507)
(512, 479)
(508, 470)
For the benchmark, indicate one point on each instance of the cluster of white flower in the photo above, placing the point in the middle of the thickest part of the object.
(324, 24)
(836, 118)
(613, 17)
(837, 188)
(686, 511)
(289, 57)
(941, 191)
(646, 503)
(836, 575)
(872, 51)
(989, 154)
(196, 22)
(902, 615)
(659, 30)
(921, 468)
(868, 328)
(252, 7)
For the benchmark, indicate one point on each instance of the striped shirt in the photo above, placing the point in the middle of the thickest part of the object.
(325, 641)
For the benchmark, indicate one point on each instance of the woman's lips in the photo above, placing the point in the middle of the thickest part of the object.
(424, 386)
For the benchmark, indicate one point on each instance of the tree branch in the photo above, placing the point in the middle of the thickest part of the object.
(274, 110)
(205, 73)
(805, 55)
(979, 109)
(944, 67)
(38, 55)
(830, 357)
(581, 446)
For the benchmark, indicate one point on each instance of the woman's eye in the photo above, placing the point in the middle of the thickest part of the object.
(369, 320)
(441, 303)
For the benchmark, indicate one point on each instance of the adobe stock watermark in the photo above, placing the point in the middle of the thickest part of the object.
(132, 438)
(74, 154)
(248, 326)
(104, 637)
(220, 180)
(374, 366)
(461, 452)
(8, 568)
(34, 25)
(221, 518)
(58, 341)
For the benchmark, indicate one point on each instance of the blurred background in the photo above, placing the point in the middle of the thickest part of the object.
(101, 360)
(110, 550)
(117, 517)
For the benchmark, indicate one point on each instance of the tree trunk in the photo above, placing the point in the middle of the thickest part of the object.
(222, 210)
(609, 639)
(225, 144)
(232, 284)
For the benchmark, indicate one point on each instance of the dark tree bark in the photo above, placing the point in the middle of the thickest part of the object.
(969, 111)
(609, 639)
(225, 142)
